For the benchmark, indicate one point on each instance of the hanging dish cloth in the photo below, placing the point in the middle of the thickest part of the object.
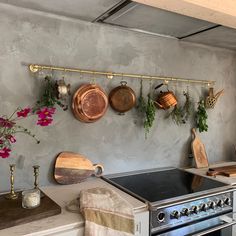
(106, 213)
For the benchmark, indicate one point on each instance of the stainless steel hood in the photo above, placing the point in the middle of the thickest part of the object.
(143, 18)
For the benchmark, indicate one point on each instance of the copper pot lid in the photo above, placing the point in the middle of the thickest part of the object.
(122, 98)
(89, 103)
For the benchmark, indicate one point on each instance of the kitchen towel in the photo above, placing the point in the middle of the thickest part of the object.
(106, 213)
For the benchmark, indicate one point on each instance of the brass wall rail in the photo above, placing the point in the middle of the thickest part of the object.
(35, 68)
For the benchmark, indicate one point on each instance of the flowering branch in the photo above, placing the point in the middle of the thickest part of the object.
(44, 110)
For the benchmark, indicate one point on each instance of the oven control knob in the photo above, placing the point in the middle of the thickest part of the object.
(185, 212)
(203, 207)
(161, 217)
(194, 209)
(227, 201)
(175, 215)
(220, 203)
(212, 205)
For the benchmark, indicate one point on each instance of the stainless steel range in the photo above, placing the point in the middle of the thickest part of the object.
(180, 203)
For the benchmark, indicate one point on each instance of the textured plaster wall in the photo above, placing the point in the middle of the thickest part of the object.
(115, 141)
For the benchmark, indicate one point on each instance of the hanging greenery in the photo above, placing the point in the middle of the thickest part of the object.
(49, 96)
(147, 109)
(150, 115)
(180, 115)
(201, 117)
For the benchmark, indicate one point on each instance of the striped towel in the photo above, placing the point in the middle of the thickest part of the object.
(106, 213)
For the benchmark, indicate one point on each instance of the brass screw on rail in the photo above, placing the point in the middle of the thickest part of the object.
(36, 174)
(12, 195)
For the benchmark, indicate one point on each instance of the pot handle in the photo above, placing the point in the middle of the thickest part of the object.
(158, 86)
(158, 104)
(123, 83)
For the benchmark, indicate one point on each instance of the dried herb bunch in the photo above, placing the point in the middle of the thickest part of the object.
(147, 109)
(201, 117)
(180, 115)
(150, 115)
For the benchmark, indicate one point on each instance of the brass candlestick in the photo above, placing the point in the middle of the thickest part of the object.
(36, 183)
(12, 195)
(36, 174)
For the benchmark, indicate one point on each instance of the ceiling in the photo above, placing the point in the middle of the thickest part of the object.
(138, 17)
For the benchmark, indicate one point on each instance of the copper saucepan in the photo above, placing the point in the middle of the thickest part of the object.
(122, 98)
(89, 103)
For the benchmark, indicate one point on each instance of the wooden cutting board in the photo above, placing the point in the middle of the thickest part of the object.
(199, 152)
(12, 213)
(229, 171)
(72, 168)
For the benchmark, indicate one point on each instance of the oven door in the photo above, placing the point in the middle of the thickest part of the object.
(216, 226)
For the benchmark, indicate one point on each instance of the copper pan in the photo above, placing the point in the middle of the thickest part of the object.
(122, 98)
(89, 103)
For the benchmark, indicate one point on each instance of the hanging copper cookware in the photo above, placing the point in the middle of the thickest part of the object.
(165, 100)
(122, 98)
(89, 103)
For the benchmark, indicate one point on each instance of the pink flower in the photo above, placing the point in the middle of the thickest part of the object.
(44, 122)
(46, 112)
(5, 152)
(6, 123)
(11, 138)
(23, 112)
(1, 142)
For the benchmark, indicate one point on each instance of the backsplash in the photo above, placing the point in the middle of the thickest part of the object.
(117, 142)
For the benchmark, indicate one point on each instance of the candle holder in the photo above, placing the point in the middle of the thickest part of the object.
(36, 182)
(30, 198)
(12, 195)
(36, 175)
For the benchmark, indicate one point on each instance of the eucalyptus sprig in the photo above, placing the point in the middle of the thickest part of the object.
(201, 117)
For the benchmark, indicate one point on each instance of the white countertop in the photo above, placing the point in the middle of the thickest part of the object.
(62, 195)
(221, 178)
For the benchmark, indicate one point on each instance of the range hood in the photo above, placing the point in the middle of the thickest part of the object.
(139, 17)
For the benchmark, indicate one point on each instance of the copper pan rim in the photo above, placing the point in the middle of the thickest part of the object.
(89, 103)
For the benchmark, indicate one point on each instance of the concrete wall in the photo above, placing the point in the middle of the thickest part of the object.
(115, 141)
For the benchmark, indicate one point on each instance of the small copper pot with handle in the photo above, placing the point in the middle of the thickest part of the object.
(165, 100)
(122, 98)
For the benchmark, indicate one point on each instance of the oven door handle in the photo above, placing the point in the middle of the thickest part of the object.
(204, 227)
(214, 229)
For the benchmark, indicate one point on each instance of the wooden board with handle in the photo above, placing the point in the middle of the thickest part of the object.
(229, 171)
(71, 168)
(199, 152)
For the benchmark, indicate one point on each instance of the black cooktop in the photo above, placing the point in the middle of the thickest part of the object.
(165, 184)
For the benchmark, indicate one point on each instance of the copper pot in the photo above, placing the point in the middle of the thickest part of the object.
(122, 98)
(89, 103)
(165, 100)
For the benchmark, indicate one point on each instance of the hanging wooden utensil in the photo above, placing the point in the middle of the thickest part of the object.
(199, 152)
(72, 168)
(89, 103)
(122, 98)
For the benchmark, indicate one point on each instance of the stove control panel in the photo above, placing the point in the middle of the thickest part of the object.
(175, 215)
